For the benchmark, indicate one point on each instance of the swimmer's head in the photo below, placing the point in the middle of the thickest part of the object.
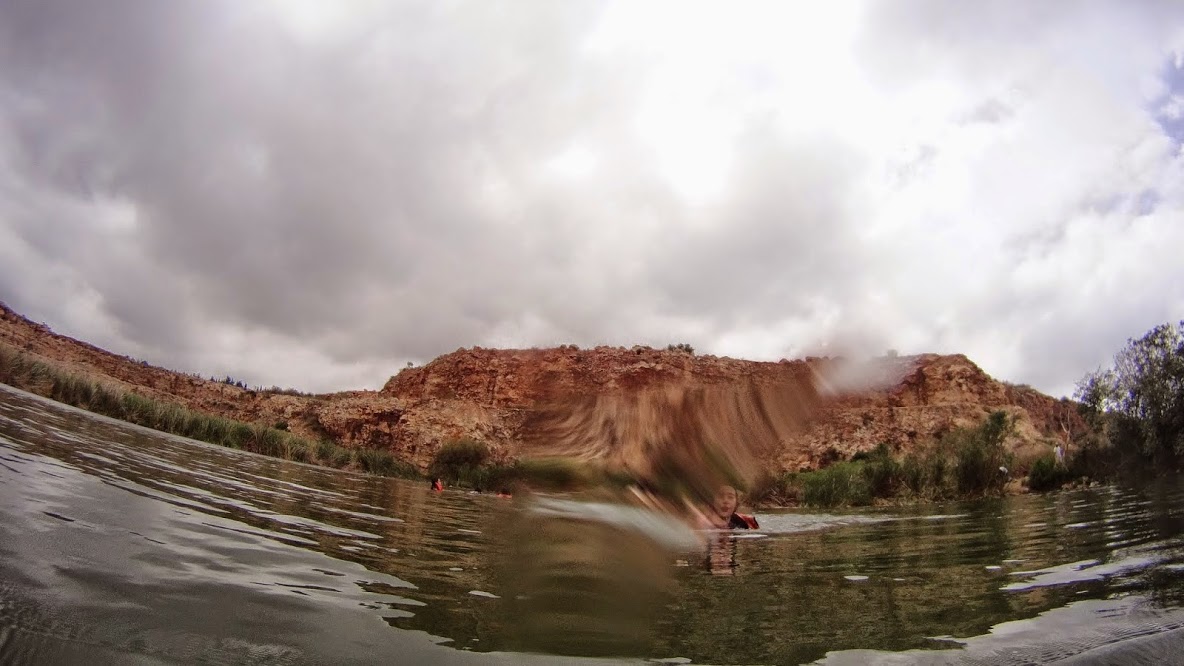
(726, 501)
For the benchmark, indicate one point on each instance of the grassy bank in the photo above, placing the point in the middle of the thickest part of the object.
(19, 370)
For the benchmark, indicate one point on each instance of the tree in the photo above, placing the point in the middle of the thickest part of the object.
(1096, 392)
(1144, 391)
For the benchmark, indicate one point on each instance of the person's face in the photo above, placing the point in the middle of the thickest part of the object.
(725, 501)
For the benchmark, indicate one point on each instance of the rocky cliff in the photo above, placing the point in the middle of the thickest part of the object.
(496, 395)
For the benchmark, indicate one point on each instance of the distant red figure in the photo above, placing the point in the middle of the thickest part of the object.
(437, 485)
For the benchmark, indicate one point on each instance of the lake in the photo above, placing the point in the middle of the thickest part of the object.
(123, 545)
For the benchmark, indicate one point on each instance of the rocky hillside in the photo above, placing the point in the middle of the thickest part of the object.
(495, 395)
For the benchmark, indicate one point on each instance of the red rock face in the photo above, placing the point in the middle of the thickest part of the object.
(491, 395)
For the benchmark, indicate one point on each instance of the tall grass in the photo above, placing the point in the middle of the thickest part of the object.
(19, 370)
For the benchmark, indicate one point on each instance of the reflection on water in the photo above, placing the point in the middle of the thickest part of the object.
(125, 546)
(587, 578)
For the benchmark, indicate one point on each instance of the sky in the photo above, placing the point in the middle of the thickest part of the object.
(314, 194)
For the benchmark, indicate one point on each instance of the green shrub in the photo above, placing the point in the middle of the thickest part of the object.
(503, 477)
(1046, 474)
(476, 478)
(554, 474)
(384, 463)
(979, 455)
(462, 453)
(197, 427)
(925, 476)
(457, 458)
(842, 483)
(881, 472)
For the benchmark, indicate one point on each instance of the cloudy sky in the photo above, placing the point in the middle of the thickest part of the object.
(312, 194)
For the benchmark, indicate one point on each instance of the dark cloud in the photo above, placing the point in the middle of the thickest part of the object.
(219, 186)
(282, 187)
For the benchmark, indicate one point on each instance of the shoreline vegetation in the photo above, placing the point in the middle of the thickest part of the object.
(1135, 411)
(17, 369)
(966, 463)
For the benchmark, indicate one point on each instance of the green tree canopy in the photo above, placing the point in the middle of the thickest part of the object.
(1144, 389)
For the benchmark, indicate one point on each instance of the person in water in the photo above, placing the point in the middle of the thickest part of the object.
(437, 484)
(723, 515)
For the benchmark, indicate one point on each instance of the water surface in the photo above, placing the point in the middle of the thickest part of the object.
(122, 545)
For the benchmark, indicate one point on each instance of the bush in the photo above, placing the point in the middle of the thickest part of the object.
(881, 473)
(458, 458)
(480, 478)
(1047, 475)
(554, 474)
(925, 476)
(979, 453)
(384, 463)
(840, 484)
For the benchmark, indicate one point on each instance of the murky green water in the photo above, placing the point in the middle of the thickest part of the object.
(118, 545)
